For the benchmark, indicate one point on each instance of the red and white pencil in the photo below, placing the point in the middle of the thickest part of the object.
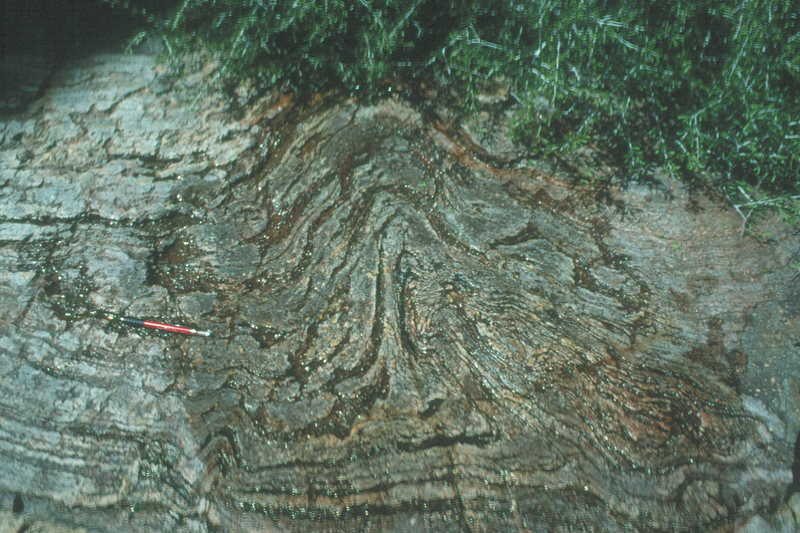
(152, 324)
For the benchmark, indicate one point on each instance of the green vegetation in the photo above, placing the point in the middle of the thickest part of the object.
(706, 89)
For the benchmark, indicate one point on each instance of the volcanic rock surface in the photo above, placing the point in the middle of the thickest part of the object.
(410, 331)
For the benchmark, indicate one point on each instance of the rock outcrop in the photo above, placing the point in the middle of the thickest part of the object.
(408, 333)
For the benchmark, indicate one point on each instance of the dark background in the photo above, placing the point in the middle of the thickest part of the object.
(68, 28)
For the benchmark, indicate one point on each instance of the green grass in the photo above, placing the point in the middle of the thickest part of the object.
(706, 89)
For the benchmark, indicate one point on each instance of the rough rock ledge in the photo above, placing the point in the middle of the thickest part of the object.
(408, 335)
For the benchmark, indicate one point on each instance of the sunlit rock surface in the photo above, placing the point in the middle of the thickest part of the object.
(409, 333)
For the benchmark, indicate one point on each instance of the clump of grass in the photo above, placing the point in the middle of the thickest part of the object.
(706, 89)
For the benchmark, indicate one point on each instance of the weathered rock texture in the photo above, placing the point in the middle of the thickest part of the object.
(409, 334)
